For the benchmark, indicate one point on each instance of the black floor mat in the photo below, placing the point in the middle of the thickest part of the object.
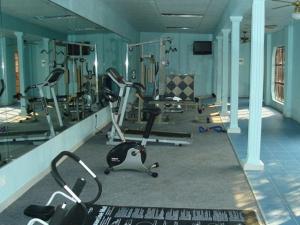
(115, 215)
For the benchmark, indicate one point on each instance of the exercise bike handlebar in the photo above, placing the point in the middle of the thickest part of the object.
(58, 178)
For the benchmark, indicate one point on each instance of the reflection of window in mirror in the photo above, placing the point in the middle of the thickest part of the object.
(16, 60)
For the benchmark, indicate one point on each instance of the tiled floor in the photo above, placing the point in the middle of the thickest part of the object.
(10, 114)
(277, 188)
(10, 122)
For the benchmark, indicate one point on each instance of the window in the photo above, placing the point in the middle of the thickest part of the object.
(278, 92)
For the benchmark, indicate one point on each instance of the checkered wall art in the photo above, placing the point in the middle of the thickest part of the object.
(181, 86)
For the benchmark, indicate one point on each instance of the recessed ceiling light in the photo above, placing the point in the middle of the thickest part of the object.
(55, 17)
(271, 26)
(180, 28)
(84, 29)
(182, 15)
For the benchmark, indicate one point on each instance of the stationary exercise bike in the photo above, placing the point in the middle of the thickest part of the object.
(76, 213)
(129, 155)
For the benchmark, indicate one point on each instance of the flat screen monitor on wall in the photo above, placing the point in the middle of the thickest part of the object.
(202, 48)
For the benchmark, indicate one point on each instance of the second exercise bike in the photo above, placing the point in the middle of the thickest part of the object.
(129, 155)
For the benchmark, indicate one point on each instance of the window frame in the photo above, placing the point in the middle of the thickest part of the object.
(275, 70)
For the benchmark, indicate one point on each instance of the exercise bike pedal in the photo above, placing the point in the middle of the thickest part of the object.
(107, 171)
(155, 165)
(154, 174)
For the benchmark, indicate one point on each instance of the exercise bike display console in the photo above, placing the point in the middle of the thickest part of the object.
(129, 155)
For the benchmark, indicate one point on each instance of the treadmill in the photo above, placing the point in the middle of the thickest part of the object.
(50, 81)
(178, 139)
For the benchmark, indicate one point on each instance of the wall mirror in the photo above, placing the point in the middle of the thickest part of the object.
(52, 66)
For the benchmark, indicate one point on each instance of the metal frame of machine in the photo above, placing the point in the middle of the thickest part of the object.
(124, 90)
(50, 82)
(161, 71)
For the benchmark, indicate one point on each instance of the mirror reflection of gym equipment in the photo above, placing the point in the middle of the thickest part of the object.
(84, 75)
(8, 134)
(28, 120)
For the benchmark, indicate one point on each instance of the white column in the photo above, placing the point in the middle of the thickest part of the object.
(253, 161)
(235, 56)
(219, 70)
(215, 64)
(224, 110)
(269, 62)
(288, 82)
(5, 99)
(20, 45)
(45, 60)
(162, 69)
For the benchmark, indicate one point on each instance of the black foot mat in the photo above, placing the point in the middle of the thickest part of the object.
(115, 215)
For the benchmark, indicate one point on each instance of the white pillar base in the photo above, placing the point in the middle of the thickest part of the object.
(253, 166)
(23, 112)
(218, 102)
(23, 107)
(234, 130)
(224, 114)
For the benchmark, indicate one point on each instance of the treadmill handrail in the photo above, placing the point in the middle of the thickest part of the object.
(117, 78)
(50, 80)
(122, 83)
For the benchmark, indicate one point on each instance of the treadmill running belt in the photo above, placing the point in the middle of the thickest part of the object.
(116, 215)
(160, 133)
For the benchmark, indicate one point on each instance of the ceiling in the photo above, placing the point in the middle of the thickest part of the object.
(47, 14)
(280, 17)
(145, 15)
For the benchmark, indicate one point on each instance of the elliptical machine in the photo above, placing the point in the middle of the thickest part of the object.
(129, 155)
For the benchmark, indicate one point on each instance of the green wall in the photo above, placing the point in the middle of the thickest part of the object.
(286, 37)
(295, 104)
(244, 78)
(278, 39)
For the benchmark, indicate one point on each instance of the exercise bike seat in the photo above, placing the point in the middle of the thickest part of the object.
(152, 111)
(40, 212)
